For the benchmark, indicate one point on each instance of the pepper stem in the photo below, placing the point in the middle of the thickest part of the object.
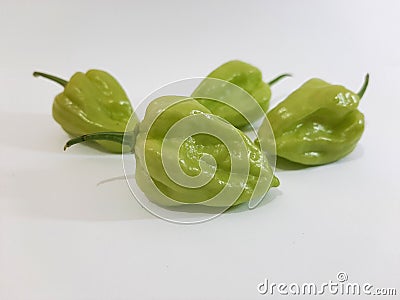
(117, 137)
(276, 79)
(51, 77)
(364, 87)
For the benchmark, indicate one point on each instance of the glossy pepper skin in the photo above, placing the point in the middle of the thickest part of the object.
(91, 102)
(247, 77)
(148, 154)
(318, 123)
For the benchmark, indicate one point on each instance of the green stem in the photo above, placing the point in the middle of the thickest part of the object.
(364, 87)
(51, 77)
(276, 79)
(117, 137)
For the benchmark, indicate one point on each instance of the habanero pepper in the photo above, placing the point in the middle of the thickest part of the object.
(245, 76)
(156, 150)
(91, 102)
(318, 123)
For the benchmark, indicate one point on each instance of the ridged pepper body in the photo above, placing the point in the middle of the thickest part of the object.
(243, 75)
(152, 139)
(318, 123)
(92, 102)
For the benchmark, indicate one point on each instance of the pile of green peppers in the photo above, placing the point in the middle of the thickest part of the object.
(317, 124)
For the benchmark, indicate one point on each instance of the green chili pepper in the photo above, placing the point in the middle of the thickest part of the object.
(318, 123)
(180, 132)
(247, 77)
(91, 102)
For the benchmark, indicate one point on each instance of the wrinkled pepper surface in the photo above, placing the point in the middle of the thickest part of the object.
(91, 102)
(152, 142)
(247, 77)
(318, 123)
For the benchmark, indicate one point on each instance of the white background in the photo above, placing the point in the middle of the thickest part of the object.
(69, 227)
